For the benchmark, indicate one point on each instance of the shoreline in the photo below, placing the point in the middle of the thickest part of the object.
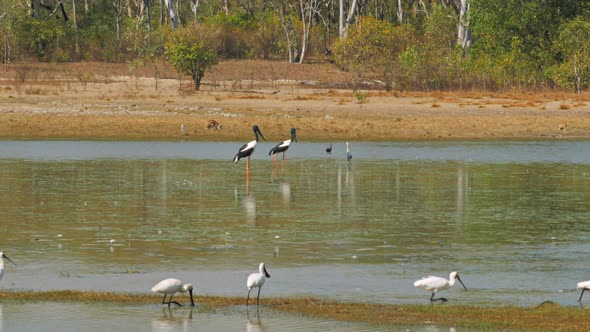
(545, 316)
(120, 110)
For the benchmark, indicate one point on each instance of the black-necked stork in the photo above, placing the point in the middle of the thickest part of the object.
(283, 146)
(247, 149)
(348, 154)
(329, 149)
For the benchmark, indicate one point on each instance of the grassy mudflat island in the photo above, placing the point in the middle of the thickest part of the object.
(544, 317)
(108, 101)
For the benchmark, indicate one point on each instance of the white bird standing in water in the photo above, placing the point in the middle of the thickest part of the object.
(257, 280)
(583, 285)
(172, 286)
(348, 154)
(435, 284)
(2, 263)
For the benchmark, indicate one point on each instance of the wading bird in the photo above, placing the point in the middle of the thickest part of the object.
(257, 280)
(584, 285)
(437, 284)
(172, 286)
(283, 147)
(348, 154)
(2, 256)
(183, 128)
(247, 149)
(329, 149)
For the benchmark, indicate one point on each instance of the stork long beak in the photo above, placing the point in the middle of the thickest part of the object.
(260, 133)
(266, 273)
(190, 292)
(462, 284)
(4, 256)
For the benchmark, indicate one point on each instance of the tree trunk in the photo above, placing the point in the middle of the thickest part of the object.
(350, 16)
(197, 79)
(463, 32)
(341, 19)
(195, 8)
(148, 14)
(117, 9)
(161, 12)
(76, 29)
(35, 8)
(305, 30)
(172, 13)
(400, 12)
(226, 7)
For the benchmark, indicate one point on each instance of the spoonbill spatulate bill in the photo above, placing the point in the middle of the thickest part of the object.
(436, 284)
(172, 286)
(256, 280)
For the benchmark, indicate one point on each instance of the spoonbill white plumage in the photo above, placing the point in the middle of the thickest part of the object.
(257, 280)
(436, 284)
(2, 256)
(247, 149)
(172, 286)
(283, 146)
(583, 285)
(348, 154)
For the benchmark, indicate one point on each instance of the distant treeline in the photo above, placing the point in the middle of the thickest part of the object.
(405, 44)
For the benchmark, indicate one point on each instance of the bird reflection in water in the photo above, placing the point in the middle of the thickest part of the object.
(168, 322)
(254, 324)
(286, 193)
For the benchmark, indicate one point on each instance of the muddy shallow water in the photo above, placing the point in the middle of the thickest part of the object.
(512, 217)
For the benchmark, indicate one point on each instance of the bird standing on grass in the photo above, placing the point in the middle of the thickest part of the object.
(257, 280)
(584, 285)
(172, 286)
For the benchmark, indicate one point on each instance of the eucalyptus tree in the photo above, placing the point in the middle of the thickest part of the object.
(573, 47)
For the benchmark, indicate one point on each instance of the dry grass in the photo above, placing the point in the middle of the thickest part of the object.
(547, 316)
(102, 101)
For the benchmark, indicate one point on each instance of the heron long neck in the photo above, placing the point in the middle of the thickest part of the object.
(347, 150)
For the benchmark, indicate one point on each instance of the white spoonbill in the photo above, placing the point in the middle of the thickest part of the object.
(172, 286)
(257, 280)
(583, 285)
(2, 263)
(435, 284)
(247, 149)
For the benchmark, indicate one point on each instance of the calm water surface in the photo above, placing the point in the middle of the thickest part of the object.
(512, 217)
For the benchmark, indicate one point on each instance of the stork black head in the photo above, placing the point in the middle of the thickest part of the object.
(257, 132)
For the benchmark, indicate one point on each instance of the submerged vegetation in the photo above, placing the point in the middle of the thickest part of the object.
(401, 44)
(546, 316)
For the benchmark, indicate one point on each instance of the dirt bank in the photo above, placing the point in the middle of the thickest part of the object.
(135, 107)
